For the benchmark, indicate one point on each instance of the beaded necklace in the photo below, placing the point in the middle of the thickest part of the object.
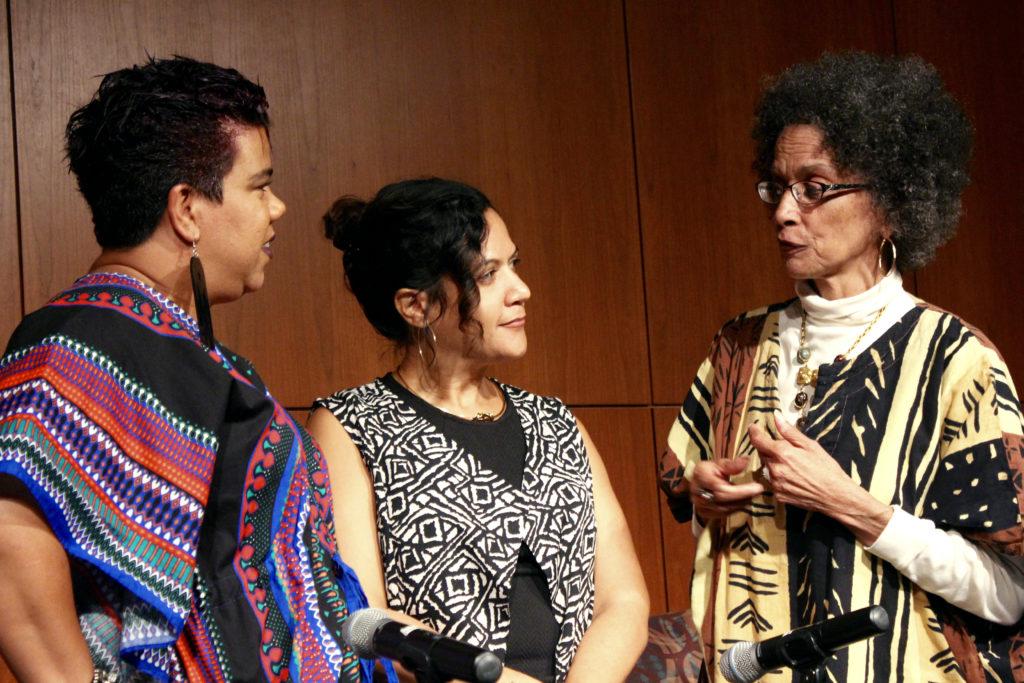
(806, 377)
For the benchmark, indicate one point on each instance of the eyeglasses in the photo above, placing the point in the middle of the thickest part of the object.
(805, 192)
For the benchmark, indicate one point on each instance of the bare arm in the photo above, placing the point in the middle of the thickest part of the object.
(40, 638)
(355, 516)
(618, 633)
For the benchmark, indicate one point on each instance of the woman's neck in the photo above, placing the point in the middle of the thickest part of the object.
(454, 386)
(175, 284)
(849, 310)
(847, 285)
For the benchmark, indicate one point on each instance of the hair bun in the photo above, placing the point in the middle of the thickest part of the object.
(341, 222)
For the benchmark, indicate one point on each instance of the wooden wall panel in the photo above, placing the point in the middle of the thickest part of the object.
(528, 100)
(978, 274)
(709, 250)
(623, 437)
(677, 539)
(10, 256)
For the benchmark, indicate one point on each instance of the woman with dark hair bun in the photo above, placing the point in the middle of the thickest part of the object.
(471, 507)
(856, 446)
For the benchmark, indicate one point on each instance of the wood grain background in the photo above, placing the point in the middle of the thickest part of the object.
(612, 136)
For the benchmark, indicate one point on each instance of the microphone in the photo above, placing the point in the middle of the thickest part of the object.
(371, 633)
(803, 648)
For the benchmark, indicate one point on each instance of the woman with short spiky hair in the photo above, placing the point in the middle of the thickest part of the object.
(162, 517)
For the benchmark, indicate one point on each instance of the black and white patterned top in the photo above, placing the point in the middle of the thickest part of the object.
(450, 530)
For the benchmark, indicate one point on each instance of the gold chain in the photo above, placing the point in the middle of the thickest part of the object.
(805, 376)
(479, 417)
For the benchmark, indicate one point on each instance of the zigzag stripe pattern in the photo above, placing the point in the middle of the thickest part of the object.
(46, 418)
(201, 645)
(104, 501)
(81, 374)
(124, 480)
(450, 530)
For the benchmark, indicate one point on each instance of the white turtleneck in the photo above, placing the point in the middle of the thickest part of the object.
(974, 578)
(833, 327)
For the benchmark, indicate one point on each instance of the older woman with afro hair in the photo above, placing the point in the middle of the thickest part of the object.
(856, 446)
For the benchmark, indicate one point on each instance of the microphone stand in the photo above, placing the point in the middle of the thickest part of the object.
(815, 674)
(806, 656)
(418, 661)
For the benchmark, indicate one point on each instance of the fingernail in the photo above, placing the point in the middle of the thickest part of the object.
(779, 418)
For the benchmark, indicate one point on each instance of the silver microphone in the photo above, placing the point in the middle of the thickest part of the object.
(803, 648)
(372, 633)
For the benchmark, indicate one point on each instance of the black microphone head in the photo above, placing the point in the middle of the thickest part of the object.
(360, 628)
(487, 667)
(739, 663)
(879, 618)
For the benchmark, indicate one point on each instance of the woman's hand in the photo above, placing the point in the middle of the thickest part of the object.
(713, 495)
(802, 474)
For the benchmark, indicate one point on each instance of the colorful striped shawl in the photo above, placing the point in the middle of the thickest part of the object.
(196, 512)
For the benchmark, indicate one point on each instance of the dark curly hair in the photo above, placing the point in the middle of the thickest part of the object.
(888, 120)
(413, 234)
(150, 127)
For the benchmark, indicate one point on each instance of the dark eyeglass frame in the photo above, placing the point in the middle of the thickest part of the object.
(763, 186)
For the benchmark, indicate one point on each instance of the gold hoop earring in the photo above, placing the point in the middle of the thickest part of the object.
(881, 253)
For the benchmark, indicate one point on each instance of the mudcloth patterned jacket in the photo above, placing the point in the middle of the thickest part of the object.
(449, 530)
(196, 513)
(925, 418)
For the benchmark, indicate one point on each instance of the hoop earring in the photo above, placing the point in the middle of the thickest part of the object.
(881, 252)
(420, 338)
(200, 298)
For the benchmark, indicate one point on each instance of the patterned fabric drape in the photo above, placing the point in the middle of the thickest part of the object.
(196, 512)
(926, 418)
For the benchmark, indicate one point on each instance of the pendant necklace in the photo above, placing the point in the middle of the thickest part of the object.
(807, 378)
(479, 417)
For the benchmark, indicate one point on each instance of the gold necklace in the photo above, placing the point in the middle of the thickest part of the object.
(479, 417)
(805, 376)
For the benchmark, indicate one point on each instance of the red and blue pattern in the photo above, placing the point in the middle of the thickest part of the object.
(118, 419)
(123, 485)
(286, 525)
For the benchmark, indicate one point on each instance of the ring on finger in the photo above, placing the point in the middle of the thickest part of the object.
(706, 495)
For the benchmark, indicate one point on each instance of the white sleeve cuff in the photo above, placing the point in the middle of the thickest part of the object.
(902, 539)
(973, 577)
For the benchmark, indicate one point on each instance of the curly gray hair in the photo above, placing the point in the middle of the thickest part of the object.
(888, 120)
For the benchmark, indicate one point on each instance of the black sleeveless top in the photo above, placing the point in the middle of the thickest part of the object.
(501, 447)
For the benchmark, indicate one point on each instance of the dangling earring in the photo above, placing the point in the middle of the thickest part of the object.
(424, 331)
(200, 298)
(881, 252)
